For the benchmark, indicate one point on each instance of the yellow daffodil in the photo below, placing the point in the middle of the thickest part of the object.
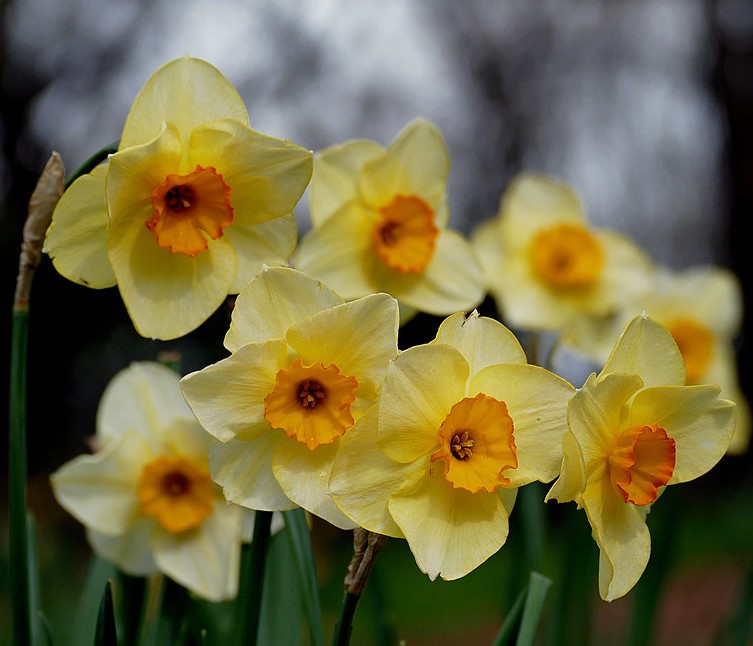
(379, 221)
(188, 209)
(634, 429)
(702, 309)
(146, 497)
(461, 423)
(546, 266)
(304, 366)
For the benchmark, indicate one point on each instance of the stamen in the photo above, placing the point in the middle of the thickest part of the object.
(310, 393)
(179, 197)
(461, 446)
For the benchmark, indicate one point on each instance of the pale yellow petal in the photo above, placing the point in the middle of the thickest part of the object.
(648, 350)
(267, 244)
(359, 337)
(266, 175)
(415, 163)
(304, 477)
(228, 396)
(708, 294)
(145, 397)
(185, 437)
(77, 238)
(340, 253)
(187, 92)
(541, 201)
(526, 302)
(620, 531)
(154, 281)
(363, 478)
(537, 402)
(135, 173)
(572, 480)
(594, 413)
(420, 388)
(450, 531)
(131, 552)
(335, 178)
(626, 278)
(244, 471)
(452, 281)
(486, 241)
(274, 301)
(205, 560)
(481, 340)
(100, 490)
(698, 421)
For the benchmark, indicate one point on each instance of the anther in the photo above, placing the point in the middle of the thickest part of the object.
(461, 446)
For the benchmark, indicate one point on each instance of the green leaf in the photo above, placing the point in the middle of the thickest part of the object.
(281, 620)
(538, 587)
(300, 540)
(97, 576)
(510, 627)
(106, 633)
(523, 620)
(251, 586)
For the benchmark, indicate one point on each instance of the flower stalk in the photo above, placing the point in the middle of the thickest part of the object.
(41, 204)
(366, 546)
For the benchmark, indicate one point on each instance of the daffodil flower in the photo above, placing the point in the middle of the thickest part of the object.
(379, 221)
(188, 210)
(546, 266)
(461, 424)
(634, 429)
(304, 366)
(702, 309)
(146, 497)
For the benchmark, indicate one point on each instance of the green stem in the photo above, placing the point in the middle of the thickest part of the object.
(253, 562)
(90, 164)
(151, 615)
(344, 626)
(17, 475)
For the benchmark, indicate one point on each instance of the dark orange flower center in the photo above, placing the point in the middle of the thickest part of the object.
(405, 236)
(642, 460)
(567, 256)
(696, 344)
(185, 206)
(176, 491)
(311, 403)
(477, 444)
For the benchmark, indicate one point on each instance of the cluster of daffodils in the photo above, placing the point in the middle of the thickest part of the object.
(315, 407)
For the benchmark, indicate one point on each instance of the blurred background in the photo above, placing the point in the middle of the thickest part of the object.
(645, 107)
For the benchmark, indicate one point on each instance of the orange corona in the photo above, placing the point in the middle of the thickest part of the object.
(477, 444)
(186, 205)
